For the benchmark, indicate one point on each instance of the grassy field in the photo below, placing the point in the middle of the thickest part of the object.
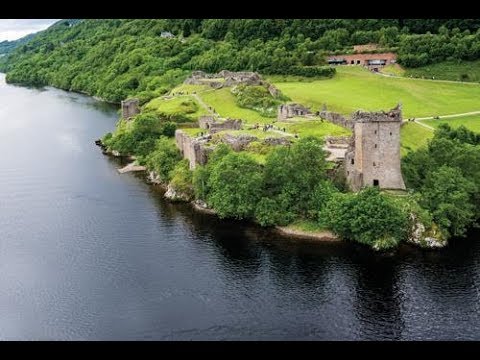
(223, 102)
(471, 122)
(413, 136)
(315, 128)
(355, 88)
(189, 89)
(177, 105)
(448, 70)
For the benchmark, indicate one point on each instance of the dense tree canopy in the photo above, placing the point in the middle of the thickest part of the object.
(447, 176)
(114, 58)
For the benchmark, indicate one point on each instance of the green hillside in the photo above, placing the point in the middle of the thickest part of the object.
(471, 122)
(468, 71)
(355, 88)
(117, 58)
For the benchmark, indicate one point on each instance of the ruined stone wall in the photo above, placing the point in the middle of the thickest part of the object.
(286, 111)
(205, 121)
(230, 78)
(229, 124)
(196, 150)
(130, 108)
(337, 119)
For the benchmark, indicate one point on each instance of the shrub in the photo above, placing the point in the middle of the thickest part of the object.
(235, 186)
(163, 158)
(367, 217)
(182, 179)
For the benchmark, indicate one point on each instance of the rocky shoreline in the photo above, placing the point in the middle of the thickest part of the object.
(418, 238)
(201, 206)
(324, 236)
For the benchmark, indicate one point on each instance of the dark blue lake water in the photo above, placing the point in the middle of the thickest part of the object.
(88, 253)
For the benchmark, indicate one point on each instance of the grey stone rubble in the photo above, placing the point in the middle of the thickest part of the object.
(224, 78)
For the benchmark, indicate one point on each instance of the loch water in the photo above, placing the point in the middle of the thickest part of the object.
(87, 253)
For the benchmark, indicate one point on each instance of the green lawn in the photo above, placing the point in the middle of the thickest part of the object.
(223, 102)
(471, 122)
(354, 88)
(189, 89)
(413, 136)
(259, 133)
(193, 131)
(177, 105)
(314, 128)
(448, 70)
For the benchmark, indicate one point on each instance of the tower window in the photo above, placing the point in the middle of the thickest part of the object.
(375, 132)
(374, 163)
(375, 146)
(390, 133)
(376, 182)
(352, 161)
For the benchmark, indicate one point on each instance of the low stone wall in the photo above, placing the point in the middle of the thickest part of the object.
(210, 123)
(286, 111)
(229, 124)
(337, 119)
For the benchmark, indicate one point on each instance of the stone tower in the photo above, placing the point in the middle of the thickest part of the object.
(373, 158)
(130, 108)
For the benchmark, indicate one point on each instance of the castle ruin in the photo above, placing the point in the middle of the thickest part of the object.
(213, 125)
(286, 111)
(373, 157)
(130, 107)
(224, 78)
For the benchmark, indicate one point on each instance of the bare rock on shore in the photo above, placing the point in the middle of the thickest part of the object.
(173, 195)
(308, 235)
(154, 178)
(131, 167)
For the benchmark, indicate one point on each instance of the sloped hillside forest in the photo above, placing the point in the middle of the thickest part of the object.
(113, 59)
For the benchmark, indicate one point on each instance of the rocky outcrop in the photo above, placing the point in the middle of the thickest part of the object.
(154, 178)
(131, 167)
(419, 235)
(176, 196)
